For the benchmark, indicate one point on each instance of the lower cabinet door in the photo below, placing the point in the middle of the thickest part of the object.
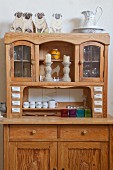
(33, 155)
(83, 156)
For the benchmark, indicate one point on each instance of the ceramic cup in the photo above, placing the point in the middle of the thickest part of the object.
(32, 104)
(38, 104)
(52, 103)
(45, 104)
(26, 105)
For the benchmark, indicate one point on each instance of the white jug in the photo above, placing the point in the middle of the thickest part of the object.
(90, 17)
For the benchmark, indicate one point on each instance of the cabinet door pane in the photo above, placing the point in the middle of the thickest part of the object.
(22, 61)
(91, 61)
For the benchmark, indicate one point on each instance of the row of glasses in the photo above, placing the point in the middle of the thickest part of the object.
(91, 73)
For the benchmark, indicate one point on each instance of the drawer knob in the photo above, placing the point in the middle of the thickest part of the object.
(81, 62)
(83, 132)
(33, 132)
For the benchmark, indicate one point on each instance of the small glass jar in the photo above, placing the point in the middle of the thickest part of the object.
(55, 54)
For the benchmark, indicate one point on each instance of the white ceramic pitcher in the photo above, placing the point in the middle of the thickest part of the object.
(90, 17)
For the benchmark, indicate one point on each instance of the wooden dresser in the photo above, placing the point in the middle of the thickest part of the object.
(58, 143)
(41, 138)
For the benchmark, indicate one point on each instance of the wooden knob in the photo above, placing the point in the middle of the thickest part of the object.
(83, 132)
(81, 62)
(32, 62)
(33, 132)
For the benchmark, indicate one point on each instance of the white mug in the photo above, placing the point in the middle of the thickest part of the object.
(52, 104)
(45, 105)
(26, 105)
(38, 104)
(32, 104)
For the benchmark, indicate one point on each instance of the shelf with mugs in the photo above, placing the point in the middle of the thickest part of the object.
(60, 106)
(43, 100)
(70, 111)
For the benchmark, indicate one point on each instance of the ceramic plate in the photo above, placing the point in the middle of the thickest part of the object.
(88, 30)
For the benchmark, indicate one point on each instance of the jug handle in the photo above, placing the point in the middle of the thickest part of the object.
(101, 11)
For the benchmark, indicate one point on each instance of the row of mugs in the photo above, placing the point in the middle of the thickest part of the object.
(33, 104)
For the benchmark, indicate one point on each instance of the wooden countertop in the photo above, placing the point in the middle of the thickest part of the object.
(55, 120)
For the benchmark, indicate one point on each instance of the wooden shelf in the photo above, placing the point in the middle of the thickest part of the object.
(55, 60)
(91, 61)
(57, 84)
(43, 109)
(24, 61)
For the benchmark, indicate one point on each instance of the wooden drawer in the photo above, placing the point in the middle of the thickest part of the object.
(23, 132)
(84, 132)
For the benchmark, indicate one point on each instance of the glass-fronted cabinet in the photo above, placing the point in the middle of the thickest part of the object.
(22, 61)
(91, 61)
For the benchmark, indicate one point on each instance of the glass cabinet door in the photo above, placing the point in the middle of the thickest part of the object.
(91, 62)
(22, 61)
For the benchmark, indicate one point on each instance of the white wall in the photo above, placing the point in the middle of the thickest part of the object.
(71, 11)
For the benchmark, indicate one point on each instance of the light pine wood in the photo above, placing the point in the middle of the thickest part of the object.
(33, 156)
(70, 37)
(83, 155)
(68, 44)
(84, 132)
(33, 132)
(39, 138)
(41, 120)
(105, 91)
(77, 54)
(6, 147)
(111, 148)
(75, 146)
(8, 75)
(58, 85)
(37, 62)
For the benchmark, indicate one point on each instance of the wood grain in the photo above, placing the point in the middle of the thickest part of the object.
(22, 132)
(83, 155)
(74, 38)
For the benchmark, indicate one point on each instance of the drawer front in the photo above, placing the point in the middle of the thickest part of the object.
(16, 110)
(21, 132)
(98, 96)
(98, 103)
(15, 88)
(97, 89)
(98, 110)
(84, 132)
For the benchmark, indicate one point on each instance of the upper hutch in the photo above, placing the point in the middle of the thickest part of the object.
(25, 66)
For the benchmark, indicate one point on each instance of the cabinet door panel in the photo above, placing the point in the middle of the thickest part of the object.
(33, 156)
(22, 61)
(91, 61)
(83, 155)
